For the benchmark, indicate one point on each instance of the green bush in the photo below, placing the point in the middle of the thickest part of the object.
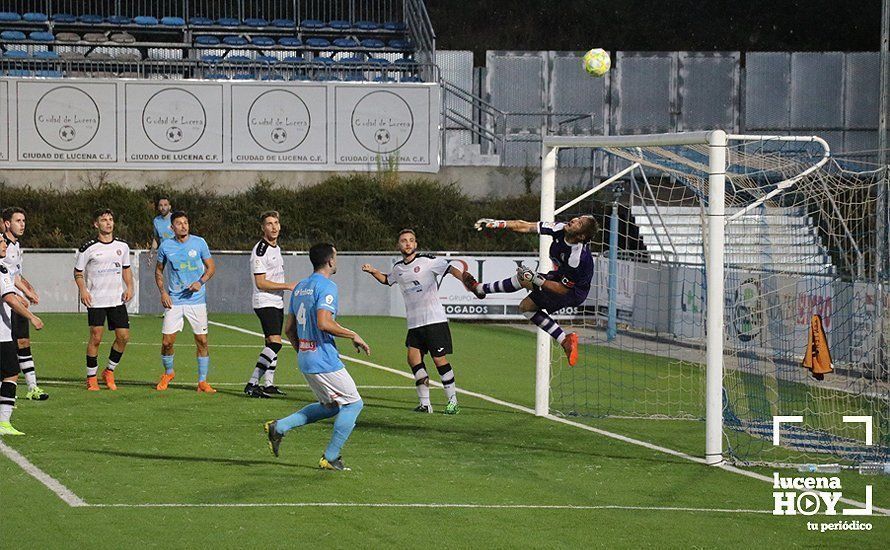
(355, 212)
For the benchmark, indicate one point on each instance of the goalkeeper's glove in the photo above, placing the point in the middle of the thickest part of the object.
(526, 274)
(489, 223)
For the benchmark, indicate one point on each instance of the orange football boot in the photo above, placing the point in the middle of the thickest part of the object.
(204, 387)
(92, 383)
(108, 377)
(570, 345)
(165, 380)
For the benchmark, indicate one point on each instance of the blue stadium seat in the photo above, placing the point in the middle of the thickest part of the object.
(9, 17)
(172, 21)
(35, 17)
(64, 18)
(323, 61)
(294, 59)
(16, 54)
(412, 78)
(91, 19)
(346, 43)
(300, 77)
(399, 44)
(405, 62)
(340, 25)
(46, 55)
(352, 61)
(267, 59)
(379, 61)
(12, 35)
(398, 26)
(262, 41)
(309, 24)
(146, 20)
(228, 22)
(318, 43)
(373, 44)
(206, 40)
(256, 22)
(50, 74)
(354, 77)
(290, 41)
(244, 76)
(119, 20)
(328, 78)
(201, 22)
(238, 59)
(273, 77)
(234, 41)
(210, 58)
(384, 79)
(216, 76)
(284, 24)
(41, 36)
(367, 25)
(19, 72)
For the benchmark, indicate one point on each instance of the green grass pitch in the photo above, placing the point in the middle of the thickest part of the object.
(203, 460)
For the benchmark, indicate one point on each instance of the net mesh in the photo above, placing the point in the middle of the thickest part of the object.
(800, 241)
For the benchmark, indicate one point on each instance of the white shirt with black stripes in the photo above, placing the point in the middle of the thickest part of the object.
(419, 283)
(102, 265)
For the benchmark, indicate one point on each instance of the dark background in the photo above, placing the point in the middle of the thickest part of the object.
(666, 25)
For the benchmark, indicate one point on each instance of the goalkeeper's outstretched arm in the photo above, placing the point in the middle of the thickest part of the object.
(519, 226)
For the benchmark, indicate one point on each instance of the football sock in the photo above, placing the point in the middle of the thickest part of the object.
(422, 383)
(274, 347)
(167, 361)
(306, 415)
(7, 400)
(546, 323)
(26, 363)
(92, 366)
(203, 367)
(343, 426)
(447, 375)
(262, 363)
(507, 285)
(114, 357)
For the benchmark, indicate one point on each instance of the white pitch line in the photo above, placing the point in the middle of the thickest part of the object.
(605, 433)
(51, 382)
(48, 481)
(433, 505)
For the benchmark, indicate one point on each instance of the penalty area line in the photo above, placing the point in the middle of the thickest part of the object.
(51, 483)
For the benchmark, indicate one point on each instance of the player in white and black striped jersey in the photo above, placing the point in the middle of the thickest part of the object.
(105, 285)
(267, 278)
(418, 277)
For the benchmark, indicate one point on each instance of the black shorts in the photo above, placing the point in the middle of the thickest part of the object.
(9, 360)
(271, 319)
(117, 317)
(21, 328)
(434, 339)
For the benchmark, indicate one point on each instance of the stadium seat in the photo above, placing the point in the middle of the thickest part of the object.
(379, 61)
(16, 54)
(367, 25)
(97, 37)
(68, 37)
(206, 40)
(35, 17)
(294, 59)
(266, 59)
(128, 54)
(41, 36)
(262, 41)
(284, 24)
(145, 20)
(290, 41)
(340, 25)
(19, 72)
(234, 41)
(318, 43)
(9, 17)
(119, 20)
(210, 58)
(399, 44)
(352, 61)
(123, 38)
(328, 78)
(72, 56)
(51, 73)
(64, 18)
(384, 79)
(238, 59)
(172, 21)
(46, 55)
(97, 55)
(300, 77)
(405, 62)
(397, 26)
(373, 44)
(91, 19)
(323, 61)
(354, 77)
(273, 77)
(201, 22)
(216, 76)
(256, 22)
(228, 22)
(309, 24)
(346, 43)
(12, 35)
(244, 76)
(412, 78)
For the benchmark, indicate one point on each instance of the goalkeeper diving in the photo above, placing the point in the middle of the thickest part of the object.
(567, 285)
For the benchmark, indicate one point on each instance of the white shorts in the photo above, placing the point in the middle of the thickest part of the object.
(333, 387)
(196, 314)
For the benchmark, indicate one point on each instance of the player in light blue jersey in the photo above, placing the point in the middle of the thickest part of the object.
(162, 224)
(183, 295)
(311, 327)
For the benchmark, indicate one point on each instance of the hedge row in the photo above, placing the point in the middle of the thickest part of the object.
(355, 212)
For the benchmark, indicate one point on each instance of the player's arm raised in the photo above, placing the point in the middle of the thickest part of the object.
(528, 279)
(519, 226)
(327, 323)
(376, 273)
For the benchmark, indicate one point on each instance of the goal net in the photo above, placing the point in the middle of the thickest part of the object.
(716, 254)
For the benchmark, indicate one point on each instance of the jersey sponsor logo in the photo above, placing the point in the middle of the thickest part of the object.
(306, 345)
(193, 253)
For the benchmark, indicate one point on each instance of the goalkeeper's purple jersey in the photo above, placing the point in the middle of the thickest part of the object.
(573, 263)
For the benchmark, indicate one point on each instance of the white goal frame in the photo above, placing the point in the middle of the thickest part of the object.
(717, 141)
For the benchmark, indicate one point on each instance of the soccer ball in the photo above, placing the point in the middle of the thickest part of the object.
(597, 62)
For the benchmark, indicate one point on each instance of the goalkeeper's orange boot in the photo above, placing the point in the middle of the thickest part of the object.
(204, 387)
(92, 383)
(165, 381)
(570, 345)
(108, 377)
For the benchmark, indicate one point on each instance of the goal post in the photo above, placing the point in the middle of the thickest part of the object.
(754, 189)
